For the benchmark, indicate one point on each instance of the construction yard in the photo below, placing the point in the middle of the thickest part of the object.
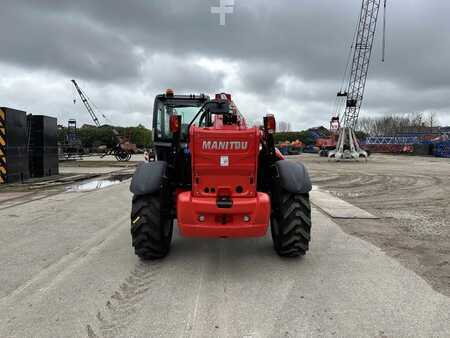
(224, 169)
(68, 268)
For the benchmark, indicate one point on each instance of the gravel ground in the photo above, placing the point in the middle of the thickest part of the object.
(411, 195)
(68, 270)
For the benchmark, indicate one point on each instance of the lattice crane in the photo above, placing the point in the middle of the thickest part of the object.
(86, 103)
(124, 148)
(347, 146)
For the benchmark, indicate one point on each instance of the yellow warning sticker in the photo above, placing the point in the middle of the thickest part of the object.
(2, 150)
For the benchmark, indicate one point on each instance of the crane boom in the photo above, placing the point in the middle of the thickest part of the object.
(86, 103)
(124, 148)
(361, 59)
(347, 146)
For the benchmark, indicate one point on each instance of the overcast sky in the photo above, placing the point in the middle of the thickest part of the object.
(284, 57)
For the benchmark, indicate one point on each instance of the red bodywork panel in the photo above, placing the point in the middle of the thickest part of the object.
(223, 222)
(224, 164)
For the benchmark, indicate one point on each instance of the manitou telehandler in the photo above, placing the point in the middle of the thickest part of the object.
(218, 178)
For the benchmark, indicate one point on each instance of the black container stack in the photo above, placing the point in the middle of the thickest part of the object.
(13, 146)
(43, 147)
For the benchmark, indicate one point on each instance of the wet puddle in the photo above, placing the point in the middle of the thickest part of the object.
(98, 183)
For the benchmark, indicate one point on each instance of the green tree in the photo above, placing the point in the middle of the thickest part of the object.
(92, 136)
(290, 136)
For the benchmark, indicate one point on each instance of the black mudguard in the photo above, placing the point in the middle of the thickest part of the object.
(147, 178)
(293, 177)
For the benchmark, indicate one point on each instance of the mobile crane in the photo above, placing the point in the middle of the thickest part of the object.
(123, 149)
(347, 146)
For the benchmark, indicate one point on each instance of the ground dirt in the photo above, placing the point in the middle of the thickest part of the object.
(69, 270)
(411, 195)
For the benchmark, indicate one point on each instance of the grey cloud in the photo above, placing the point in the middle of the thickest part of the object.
(37, 38)
(182, 74)
(119, 43)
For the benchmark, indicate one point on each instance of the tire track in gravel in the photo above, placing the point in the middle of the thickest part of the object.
(119, 310)
(411, 196)
(54, 273)
(407, 199)
(385, 187)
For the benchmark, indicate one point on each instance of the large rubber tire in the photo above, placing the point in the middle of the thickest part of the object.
(151, 232)
(291, 225)
(122, 156)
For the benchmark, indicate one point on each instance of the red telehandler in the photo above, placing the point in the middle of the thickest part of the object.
(218, 178)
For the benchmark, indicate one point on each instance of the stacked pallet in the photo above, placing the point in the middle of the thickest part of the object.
(389, 148)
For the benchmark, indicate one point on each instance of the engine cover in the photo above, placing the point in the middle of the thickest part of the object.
(224, 161)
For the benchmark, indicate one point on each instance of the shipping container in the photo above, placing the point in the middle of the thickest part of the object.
(13, 146)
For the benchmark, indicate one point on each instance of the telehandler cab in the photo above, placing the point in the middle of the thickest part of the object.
(217, 177)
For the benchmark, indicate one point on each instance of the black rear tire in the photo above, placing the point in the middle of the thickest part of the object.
(291, 225)
(151, 232)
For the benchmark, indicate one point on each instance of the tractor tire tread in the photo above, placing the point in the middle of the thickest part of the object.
(294, 225)
(146, 222)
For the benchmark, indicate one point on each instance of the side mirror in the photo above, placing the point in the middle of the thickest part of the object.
(175, 123)
(269, 124)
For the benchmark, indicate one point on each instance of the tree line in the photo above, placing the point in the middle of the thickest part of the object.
(305, 136)
(393, 124)
(92, 136)
(386, 125)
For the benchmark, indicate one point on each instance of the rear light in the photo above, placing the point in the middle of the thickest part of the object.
(175, 123)
(269, 124)
(169, 92)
